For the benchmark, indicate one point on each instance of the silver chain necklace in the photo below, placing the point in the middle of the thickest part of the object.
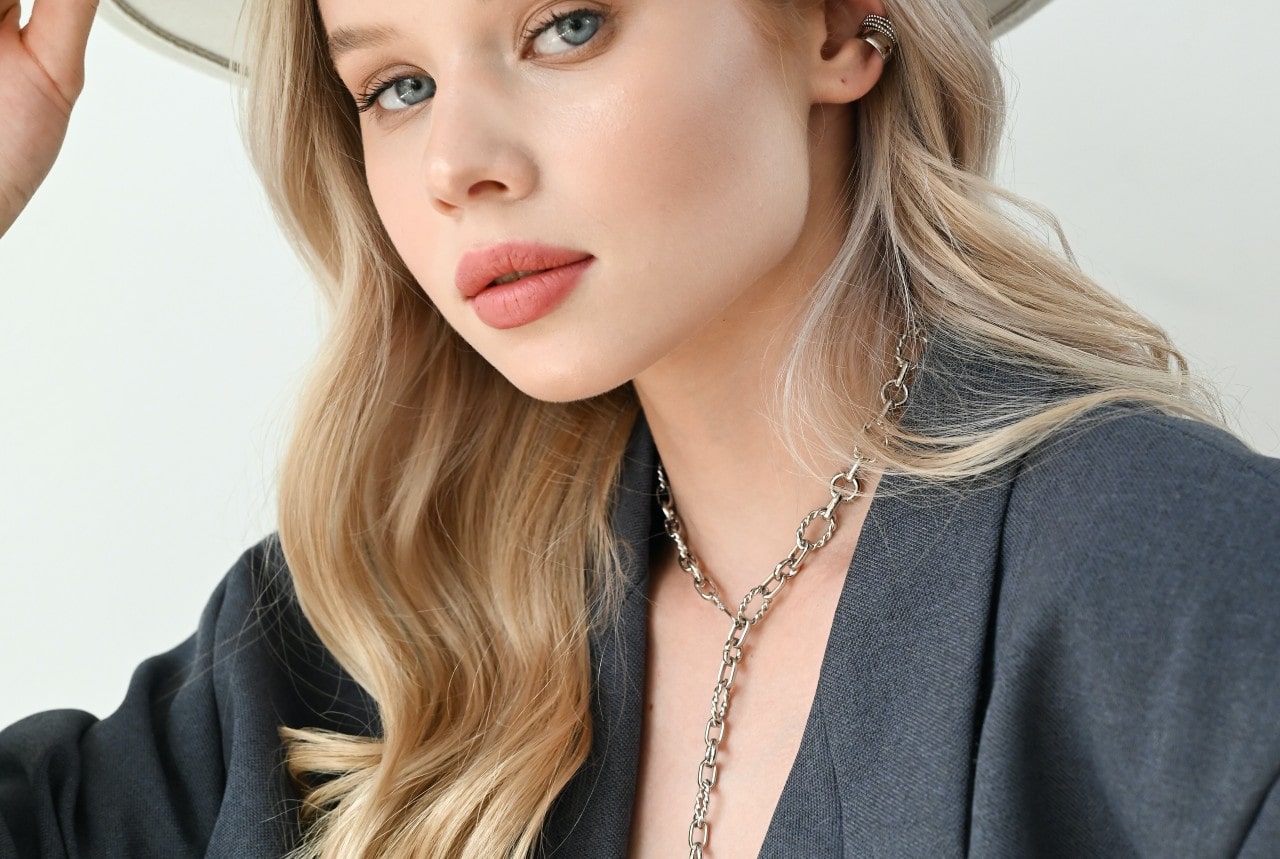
(845, 486)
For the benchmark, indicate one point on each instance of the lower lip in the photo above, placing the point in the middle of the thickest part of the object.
(510, 305)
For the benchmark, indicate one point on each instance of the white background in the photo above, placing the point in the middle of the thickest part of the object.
(155, 325)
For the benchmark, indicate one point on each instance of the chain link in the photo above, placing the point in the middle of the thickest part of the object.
(844, 488)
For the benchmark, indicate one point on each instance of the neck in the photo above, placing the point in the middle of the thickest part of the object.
(739, 489)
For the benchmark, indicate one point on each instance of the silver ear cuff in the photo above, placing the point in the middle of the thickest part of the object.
(877, 31)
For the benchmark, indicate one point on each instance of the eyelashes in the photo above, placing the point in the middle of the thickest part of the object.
(403, 87)
(378, 88)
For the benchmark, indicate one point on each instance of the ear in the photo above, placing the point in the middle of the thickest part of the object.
(842, 67)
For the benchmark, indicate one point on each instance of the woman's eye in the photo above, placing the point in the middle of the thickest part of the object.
(573, 29)
(401, 93)
(559, 34)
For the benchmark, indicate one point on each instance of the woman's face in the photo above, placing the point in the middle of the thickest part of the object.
(659, 138)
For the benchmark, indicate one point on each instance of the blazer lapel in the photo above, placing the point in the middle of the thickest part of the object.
(885, 764)
(592, 816)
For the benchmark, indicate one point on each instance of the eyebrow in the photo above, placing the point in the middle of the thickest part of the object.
(344, 40)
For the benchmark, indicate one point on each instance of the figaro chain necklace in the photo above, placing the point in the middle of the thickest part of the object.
(845, 486)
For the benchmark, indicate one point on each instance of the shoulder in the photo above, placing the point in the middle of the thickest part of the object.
(262, 647)
(1148, 532)
(1131, 490)
(191, 762)
(1135, 643)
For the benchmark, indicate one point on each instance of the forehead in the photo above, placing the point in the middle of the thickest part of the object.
(352, 24)
(337, 13)
(345, 39)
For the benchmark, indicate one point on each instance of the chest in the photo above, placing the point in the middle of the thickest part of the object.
(892, 763)
(770, 700)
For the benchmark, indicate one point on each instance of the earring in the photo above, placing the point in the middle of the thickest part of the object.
(877, 31)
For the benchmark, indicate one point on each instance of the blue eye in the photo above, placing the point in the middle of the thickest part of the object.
(574, 29)
(399, 94)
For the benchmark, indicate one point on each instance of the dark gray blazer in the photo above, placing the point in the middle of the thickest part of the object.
(1079, 657)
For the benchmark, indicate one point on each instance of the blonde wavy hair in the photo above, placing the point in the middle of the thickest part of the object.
(449, 537)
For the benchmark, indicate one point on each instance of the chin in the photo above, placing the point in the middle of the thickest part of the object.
(563, 382)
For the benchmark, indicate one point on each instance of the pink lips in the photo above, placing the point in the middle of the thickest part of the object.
(510, 305)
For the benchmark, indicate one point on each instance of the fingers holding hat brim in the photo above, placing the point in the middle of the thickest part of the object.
(57, 35)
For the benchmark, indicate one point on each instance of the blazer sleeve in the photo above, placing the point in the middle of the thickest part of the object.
(191, 763)
(1134, 704)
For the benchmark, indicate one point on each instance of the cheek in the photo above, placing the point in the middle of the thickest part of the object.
(402, 202)
(701, 167)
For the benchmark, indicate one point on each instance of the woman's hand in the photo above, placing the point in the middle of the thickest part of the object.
(41, 75)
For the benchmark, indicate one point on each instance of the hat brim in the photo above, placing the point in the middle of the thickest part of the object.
(201, 33)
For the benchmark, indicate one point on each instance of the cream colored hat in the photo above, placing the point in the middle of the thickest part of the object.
(201, 32)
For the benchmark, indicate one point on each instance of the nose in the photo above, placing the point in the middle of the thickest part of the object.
(474, 151)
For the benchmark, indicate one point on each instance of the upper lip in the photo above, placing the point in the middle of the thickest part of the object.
(479, 268)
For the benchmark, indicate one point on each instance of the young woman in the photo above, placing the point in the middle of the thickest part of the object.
(702, 460)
